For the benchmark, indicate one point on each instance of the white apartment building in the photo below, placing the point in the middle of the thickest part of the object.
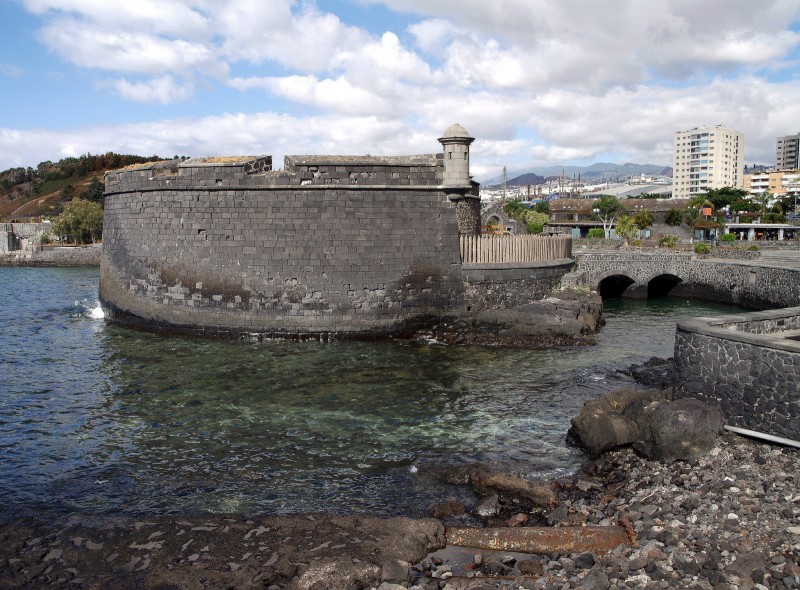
(706, 158)
(786, 152)
(779, 183)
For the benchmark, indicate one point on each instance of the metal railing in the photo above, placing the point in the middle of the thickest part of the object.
(508, 248)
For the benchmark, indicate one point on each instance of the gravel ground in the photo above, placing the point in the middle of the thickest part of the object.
(731, 521)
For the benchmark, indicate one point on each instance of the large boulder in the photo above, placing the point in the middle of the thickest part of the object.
(565, 314)
(611, 420)
(684, 429)
(660, 429)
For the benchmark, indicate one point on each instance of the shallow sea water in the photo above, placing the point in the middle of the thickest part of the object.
(98, 419)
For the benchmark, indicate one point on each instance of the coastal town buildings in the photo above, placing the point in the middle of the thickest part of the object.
(786, 152)
(777, 182)
(706, 158)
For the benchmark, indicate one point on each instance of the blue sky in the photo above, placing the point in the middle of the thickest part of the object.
(537, 82)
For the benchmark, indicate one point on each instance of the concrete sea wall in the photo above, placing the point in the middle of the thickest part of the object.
(504, 285)
(747, 364)
(330, 245)
(55, 256)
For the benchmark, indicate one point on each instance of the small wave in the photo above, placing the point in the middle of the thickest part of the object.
(85, 309)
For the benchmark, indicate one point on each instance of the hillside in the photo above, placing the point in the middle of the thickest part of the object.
(28, 194)
(594, 172)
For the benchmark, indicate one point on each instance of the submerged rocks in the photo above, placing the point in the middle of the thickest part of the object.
(655, 372)
(656, 426)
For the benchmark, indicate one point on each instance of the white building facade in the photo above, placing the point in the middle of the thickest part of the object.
(706, 158)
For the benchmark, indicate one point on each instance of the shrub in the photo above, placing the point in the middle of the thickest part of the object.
(774, 218)
(729, 237)
(668, 241)
(45, 239)
(754, 248)
(535, 228)
(636, 243)
(702, 248)
(596, 232)
(82, 220)
(673, 217)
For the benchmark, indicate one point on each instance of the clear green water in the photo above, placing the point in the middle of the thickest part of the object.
(96, 418)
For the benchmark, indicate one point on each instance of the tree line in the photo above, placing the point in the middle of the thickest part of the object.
(65, 168)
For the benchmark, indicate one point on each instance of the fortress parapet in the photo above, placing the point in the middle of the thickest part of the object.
(330, 244)
(255, 172)
(344, 245)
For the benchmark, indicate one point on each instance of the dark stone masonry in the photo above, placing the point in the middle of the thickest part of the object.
(331, 245)
(748, 365)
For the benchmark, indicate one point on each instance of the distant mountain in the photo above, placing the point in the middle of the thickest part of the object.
(526, 179)
(596, 171)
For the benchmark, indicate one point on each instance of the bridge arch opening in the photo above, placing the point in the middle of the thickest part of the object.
(614, 286)
(661, 285)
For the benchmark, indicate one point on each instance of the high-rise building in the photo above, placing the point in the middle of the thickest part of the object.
(786, 152)
(706, 158)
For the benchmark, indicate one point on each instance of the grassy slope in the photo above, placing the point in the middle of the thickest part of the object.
(47, 204)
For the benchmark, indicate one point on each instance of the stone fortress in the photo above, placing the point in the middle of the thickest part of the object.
(331, 245)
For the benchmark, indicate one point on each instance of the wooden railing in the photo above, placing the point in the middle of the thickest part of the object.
(508, 248)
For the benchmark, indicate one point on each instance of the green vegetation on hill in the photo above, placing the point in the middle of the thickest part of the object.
(27, 192)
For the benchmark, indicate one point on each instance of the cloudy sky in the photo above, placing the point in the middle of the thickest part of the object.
(537, 82)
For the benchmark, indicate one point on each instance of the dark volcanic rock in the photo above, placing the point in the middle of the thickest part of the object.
(566, 318)
(683, 429)
(611, 420)
(656, 372)
(660, 429)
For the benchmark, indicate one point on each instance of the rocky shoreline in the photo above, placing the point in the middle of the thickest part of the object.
(729, 521)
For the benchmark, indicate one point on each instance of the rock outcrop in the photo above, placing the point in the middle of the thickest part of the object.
(657, 427)
(564, 318)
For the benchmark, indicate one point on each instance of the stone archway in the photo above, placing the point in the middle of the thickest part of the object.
(614, 285)
(495, 210)
(661, 285)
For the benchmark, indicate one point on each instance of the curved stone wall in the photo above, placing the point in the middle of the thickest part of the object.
(748, 365)
(330, 245)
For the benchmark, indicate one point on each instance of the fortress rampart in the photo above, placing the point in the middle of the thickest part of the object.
(330, 244)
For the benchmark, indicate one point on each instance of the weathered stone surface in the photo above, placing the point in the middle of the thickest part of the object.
(395, 571)
(753, 285)
(612, 419)
(659, 428)
(600, 430)
(741, 364)
(567, 314)
(486, 482)
(684, 429)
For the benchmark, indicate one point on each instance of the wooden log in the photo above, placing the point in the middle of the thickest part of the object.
(541, 539)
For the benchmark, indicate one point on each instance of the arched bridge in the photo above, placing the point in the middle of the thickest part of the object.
(638, 274)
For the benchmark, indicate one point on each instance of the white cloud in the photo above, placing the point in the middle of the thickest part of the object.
(162, 17)
(164, 90)
(307, 40)
(123, 51)
(10, 70)
(535, 81)
(338, 96)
